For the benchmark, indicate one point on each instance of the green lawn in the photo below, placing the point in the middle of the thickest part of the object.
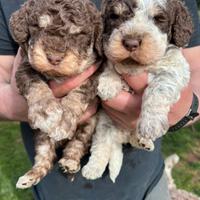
(186, 143)
(14, 162)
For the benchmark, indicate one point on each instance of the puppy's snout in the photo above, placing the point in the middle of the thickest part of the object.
(54, 59)
(131, 44)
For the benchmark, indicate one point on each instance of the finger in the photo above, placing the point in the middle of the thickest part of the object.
(121, 119)
(137, 82)
(125, 102)
(61, 89)
(91, 110)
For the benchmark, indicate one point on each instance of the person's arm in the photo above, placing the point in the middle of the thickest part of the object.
(193, 57)
(13, 106)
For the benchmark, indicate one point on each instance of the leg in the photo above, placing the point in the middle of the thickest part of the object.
(77, 147)
(109, 83)
(45, 155)
(115, 161)
(100, 149)
(162, 92)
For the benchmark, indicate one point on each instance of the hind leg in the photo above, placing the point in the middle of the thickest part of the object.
(77, 147)
(115, 161)
(100, 149)
(45, 156)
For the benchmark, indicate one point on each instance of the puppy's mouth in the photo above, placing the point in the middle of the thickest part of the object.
(130, 62)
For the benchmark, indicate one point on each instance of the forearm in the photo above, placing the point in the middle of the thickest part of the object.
(13, 106)
(192, 56)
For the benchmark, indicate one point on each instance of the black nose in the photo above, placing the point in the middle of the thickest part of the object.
(131, 44)
(54, 59)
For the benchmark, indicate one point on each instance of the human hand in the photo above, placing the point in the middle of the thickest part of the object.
(125, 108)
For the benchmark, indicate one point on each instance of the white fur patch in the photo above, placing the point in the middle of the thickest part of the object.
(146, 4)
(119, 9)
(74, 29)
(44, 21)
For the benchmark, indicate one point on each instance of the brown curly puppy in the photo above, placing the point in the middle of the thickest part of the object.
(58, 38)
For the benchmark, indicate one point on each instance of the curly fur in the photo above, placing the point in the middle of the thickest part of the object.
(58, 38)
(151, 26)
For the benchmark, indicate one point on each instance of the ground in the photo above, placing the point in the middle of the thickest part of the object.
(14, 162)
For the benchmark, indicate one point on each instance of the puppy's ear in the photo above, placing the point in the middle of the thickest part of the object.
(98, 44)
(98, 28)
(104, 6)
(19, 25)
(182, 26)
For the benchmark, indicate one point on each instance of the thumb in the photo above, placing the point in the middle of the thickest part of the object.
(137, 82)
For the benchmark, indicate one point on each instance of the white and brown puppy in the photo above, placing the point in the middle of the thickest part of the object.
(58, 38)
(140, 36)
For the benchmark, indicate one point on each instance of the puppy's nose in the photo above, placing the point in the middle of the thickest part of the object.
(54, 59)
(131, 44)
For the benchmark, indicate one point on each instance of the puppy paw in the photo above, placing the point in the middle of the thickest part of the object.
(107, 90)
(92, 172)
(141, 143)
(151, 129)
(45, 114)
(27, 181)
(69, 165)
(146, 144)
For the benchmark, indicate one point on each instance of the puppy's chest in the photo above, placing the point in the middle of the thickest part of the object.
(136, 70)
(56, 79)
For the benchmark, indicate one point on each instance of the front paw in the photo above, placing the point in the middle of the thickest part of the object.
(151, 129)
(106, 90)
(66, 128)
(45, 114)
(141, 143)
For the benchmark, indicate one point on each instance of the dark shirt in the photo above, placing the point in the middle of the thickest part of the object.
(141, 170)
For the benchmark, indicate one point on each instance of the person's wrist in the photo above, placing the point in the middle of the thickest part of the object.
(13, 106)
(181, 108)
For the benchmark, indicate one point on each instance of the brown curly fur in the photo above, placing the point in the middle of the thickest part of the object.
(181, 26)
(48, 31)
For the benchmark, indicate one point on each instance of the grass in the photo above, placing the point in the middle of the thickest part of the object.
(186, 144)
(14, 162)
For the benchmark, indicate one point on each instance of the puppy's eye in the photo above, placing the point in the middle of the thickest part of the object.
(159, 18)
(114, 16)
